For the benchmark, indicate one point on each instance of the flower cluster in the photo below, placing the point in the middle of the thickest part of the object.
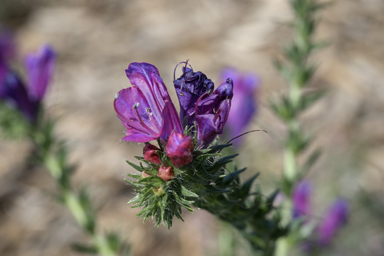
(39, 68)
(147, 111)
(335, 217)
(187, 153)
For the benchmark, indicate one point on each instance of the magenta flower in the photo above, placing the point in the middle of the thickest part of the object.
(334, 219)
(244, 103)
(146, 109)
(40, 67)
(302, 199)
(179, 149)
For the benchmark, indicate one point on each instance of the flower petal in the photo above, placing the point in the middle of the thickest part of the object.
(40, 67)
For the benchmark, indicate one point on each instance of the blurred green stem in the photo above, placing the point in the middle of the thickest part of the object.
(298, 73)
(227, 241)
(52, 155)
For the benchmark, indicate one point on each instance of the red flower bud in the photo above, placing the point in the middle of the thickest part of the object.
(150, 154)
(179, 149)
(166, 173)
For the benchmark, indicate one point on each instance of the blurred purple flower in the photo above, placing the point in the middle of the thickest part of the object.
(146, 109)
(302, 199)
(244, 103)
(40, 68)
(15, 93)
(334, 219)
(189, 87)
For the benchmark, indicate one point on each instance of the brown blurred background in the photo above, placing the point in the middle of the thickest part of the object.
(96, 40)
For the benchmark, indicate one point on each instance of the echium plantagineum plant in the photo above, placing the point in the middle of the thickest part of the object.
(186, 168)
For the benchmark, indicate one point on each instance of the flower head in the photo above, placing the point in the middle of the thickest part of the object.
(302, 199)
(179, 149)
(334, 219)
(244, 104)
(146, 109)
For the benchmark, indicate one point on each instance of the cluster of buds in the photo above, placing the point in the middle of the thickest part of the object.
(179, 150)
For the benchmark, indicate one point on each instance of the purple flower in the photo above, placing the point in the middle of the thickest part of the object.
(14, 93)
(244, 104)
(301, 199)
(27, 98)
(40, 68)
(335, 218)
(212, 113)
(146, 109)
(189, 87)
(179, 149)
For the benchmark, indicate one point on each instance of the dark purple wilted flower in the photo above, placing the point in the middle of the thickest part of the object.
(146, 109)
(244, 104)
(334, 219)
(179, 149)
(212, 113)
(189, 87)
(40, 68)
(302, 199)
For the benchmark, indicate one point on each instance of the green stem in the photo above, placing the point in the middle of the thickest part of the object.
(52, 155)
(297, 57)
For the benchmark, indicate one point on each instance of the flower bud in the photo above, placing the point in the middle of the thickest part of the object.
(150, 154)
(166, 173)
(179, 149)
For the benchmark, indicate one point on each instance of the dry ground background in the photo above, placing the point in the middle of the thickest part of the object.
(96, 40)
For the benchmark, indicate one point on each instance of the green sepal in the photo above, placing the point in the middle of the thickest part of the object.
(227, 179)
(187, 192)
